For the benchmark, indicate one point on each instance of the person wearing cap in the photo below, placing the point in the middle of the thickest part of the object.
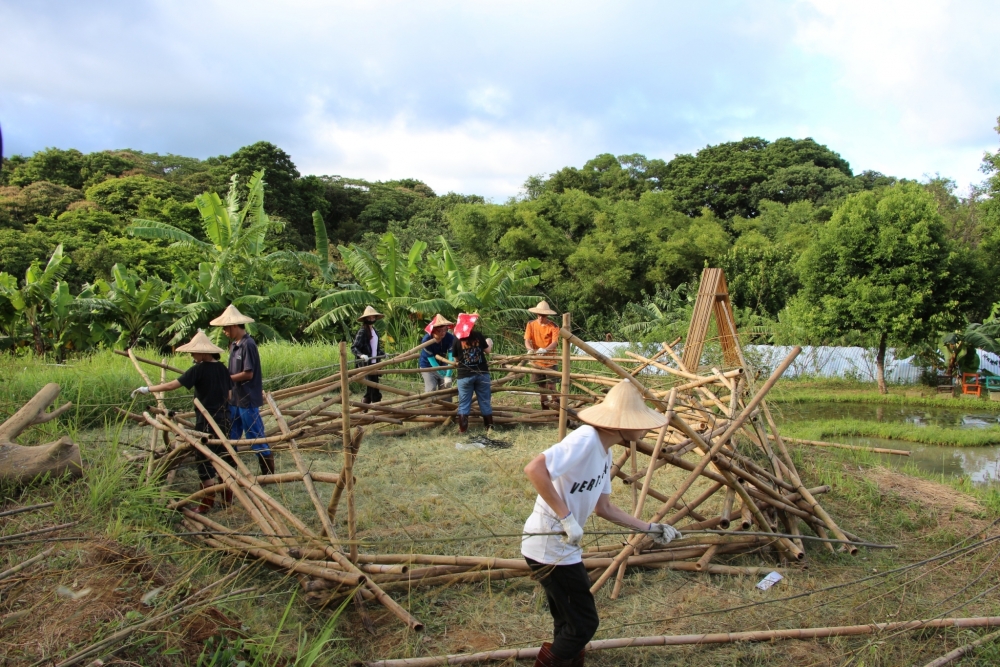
(438, 331)
(209, 378)
(248, 385)
(573, 480)
(470, 350)
(541, 336)
(367, 348)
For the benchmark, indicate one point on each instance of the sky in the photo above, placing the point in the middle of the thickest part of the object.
(474, 97)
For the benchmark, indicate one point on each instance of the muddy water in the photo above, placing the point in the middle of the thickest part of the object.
(980, 464)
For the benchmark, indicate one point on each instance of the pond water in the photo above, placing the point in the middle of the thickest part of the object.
(980, 464)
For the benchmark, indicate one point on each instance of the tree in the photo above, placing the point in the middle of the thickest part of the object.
(22, 206)
(235, 267)
(731, 178)
(53, 165)
(35, 295)
(883, 268)
(122, 196)
(138, 308)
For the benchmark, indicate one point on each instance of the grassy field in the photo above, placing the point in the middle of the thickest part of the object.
(848, 391)
(928, 435)
(420, 494)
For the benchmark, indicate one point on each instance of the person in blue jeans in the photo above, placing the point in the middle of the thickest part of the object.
(247, 394)
(470, 351)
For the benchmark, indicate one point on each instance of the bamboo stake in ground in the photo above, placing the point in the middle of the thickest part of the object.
(348, 475)
(564, 385)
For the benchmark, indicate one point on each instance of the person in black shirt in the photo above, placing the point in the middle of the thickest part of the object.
(470, 350)
(248, 393)
(367, 347)
(210, 380)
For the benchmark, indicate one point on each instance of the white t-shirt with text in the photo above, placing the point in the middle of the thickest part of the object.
(580, 469)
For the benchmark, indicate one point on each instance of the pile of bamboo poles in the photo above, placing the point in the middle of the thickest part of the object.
(719, 432)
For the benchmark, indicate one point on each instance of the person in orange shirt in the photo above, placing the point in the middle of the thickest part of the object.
(541, 336)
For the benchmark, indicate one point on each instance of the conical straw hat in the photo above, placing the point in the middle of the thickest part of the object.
(370, 312)
(229, 317)
(200, 343)
(623, 408)
(438, 321)
(465, 323)
(542, 309)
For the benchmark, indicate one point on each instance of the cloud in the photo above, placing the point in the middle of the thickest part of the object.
(477, 96)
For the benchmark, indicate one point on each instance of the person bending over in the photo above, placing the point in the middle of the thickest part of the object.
(209, 378)
(573, 480)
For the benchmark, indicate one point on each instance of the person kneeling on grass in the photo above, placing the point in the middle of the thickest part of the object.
(209, 378)
(470, 350)
(573, 480)
(248, 385)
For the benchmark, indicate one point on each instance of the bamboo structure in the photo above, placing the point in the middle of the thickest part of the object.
(718, 436)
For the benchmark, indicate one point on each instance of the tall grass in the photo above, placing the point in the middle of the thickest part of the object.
(928, 435)
(849, 391)
(98, 382)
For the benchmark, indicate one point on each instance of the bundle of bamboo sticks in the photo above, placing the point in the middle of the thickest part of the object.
(719, 433)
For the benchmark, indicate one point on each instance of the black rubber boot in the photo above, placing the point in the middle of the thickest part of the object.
(463, 423)
(488, 421)
(266, 463)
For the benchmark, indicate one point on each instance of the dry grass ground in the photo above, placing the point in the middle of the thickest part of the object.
(420, 494)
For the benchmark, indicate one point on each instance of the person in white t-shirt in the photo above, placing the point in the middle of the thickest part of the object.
(573, 480)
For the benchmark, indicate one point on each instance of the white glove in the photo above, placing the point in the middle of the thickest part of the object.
(541, 350)
(489, 342)
(363, 357)
(140, 390)
(574, 533)
(663, 533)
(447, 382)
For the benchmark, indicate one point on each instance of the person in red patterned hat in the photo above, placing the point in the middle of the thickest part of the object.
(470, 350)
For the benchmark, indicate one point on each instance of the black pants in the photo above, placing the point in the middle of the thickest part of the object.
(574, 613)
(206, 469)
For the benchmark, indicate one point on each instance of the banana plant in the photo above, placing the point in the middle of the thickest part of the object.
(501, 293)
(34, 296)
(66, 317)
(137, 308)
(388, 280)
(236, 235)
(958, 348)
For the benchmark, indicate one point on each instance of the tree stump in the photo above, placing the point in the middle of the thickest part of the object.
(20, 464)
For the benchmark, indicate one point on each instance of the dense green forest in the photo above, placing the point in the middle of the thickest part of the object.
(813, 251)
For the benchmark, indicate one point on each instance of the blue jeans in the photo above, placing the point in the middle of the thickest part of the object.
(247, 420)
(479, 383)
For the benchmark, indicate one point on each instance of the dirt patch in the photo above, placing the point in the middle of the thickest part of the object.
(924, 492)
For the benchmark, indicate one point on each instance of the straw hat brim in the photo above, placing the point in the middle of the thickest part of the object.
(623, 408)
(200, 344)
(230, 317)
(542, 311)
(370, 312)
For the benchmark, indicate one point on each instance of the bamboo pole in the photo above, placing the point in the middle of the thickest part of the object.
(307, 481)
(837, 445)
(706, 638)
(162, 365)
(564, 385)
(348, 475)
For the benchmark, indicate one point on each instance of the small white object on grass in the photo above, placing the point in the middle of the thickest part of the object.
(466, 446)
(769, 580)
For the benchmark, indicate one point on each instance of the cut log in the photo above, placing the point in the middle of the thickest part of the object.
(20, 464)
